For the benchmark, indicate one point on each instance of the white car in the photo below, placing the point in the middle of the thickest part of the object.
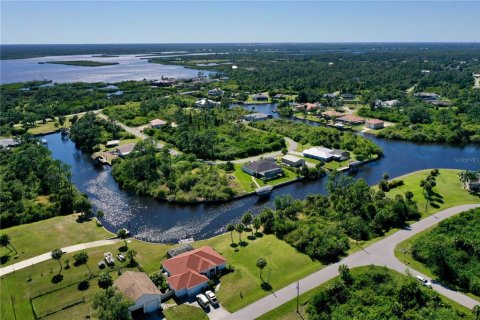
(424, 281)
(202, 301)
(211, 297)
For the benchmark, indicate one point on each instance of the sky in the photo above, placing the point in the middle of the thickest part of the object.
(45, 22)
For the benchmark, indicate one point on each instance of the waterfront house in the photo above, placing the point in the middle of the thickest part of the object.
(351, 119)
(217, 92)
(259, 97)
(293, 161)
(112, 143)
(427, 96)
(311, 106)
(257, 116)
(374, 124)
(264, 168)
(189, 272)
(157, 123)
(319, 153)
(8, 142)
(125, 149)
(332, 114)
(138, 287)
(348, 96)
(340, 155)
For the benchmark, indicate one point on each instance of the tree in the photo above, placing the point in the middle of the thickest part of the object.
(82, 258)
(131, 254)
(476, 311)
(257, 223)
(111, 305)
(247, 219)
(61, 120)
(345, 274)
(240, 228)
(122, 234)
(57, 255)
(5, 242)
(231, 228)
(105, 280)
(261, 264)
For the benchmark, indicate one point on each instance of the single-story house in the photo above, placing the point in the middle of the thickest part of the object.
(138, 287)
(340, 155)
(330, 95)
(439, 103)
(348, 96)
(112, 143)
(189, 272)
(217, 92)
(311, 106)
(157, 123)
(427, 96)
(257, 116)
(374, 124)
(387, 103)
(259, 97)
(8, 142)
(319, 153)
(125, 149)
(263, 168)
(332, 114)
(205, 103)
(279, 96)
(293, 161)
(351, 119)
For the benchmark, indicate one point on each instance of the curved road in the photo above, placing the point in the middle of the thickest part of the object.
(380, 253)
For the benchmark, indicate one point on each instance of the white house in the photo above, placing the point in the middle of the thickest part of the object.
(138, 287)
(319, 153)
(293, 161)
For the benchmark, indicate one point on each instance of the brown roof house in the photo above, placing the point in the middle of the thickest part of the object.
(374, 124)
(125, 149)
(189, 272)
(157, 123)
(138, 287)
(351, 119)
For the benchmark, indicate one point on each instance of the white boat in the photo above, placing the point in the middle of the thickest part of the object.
(44, 141)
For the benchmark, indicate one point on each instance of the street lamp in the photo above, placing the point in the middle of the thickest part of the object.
(298, 294)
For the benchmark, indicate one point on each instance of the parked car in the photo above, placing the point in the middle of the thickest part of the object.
(211, 297)
(120, 257)
(202, 301)
(424, 281)
(109, 258)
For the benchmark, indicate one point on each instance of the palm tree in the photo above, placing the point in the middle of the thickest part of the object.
(122, 234)
(257, 223)
(240, 228)
(131, 254)
(247, 219)
(57, 255)
(5, 242)
(476, 311)
(231, 228)
(82, 258)
(261, 263)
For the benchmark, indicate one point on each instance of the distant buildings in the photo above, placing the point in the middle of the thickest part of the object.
(332, 114)
(257, 117)
(427, 96)
(189, 272)
(206, 103)
(259, 97)
(264, 168)
(348, 96)
(138, 287)
(325, 154)
(330, 95)
(293, 161)
(217, 92)
(112, 143)
(157, 123)
(374, 124)
(387, 104)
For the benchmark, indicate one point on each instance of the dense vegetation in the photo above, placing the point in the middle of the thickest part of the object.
(452, 251)
(89, 131)
(34, 186)
(378, 293)
(161, 175)
(322, 136)
(321, 226)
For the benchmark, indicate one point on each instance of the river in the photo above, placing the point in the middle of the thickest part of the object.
(157, 221)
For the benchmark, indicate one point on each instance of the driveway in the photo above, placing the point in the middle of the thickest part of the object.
(216, 313)
(380, 253)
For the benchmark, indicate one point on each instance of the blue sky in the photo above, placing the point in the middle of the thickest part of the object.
(238, 21)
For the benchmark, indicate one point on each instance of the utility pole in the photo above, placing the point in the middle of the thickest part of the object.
(298, 294)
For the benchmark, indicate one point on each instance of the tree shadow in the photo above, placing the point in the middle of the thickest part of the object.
(243, 243)
(84, 285)
(258, 234)
(251, 238)
(57, 278)
(266, 286)
(123, 249)
(4, 259)
(233, 245)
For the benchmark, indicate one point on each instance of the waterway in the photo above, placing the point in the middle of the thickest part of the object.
(157, 221)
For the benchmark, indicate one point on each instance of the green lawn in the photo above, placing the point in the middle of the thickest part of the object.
(288, 311)
(185, 312)
(52, 126)
(242, 287)
(43, 236)
(449, 188)
(244, 179)
(289, 175)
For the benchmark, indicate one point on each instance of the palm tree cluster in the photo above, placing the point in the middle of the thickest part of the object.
(248, 222)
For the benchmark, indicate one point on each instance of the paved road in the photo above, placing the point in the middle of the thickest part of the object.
(380, 253)
(47, 256)
(137, 133)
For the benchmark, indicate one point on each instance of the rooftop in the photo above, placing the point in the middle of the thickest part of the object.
(158, 122)
(135, 284)
(262, 165)
(374, 121)
(351, 118)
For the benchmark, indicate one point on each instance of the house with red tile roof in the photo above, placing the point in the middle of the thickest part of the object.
(189, 272)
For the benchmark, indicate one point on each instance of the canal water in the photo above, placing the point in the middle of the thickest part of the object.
(157, 221)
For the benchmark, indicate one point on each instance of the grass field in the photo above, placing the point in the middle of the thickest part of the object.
(185, 312)
(245, 180)
(288, 311)
(43, 236)
(242, 287)
(52, 126)
(449, 189)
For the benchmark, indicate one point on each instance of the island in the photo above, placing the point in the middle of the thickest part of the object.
(83, 63)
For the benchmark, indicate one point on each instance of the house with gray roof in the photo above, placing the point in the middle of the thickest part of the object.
(264, 168)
